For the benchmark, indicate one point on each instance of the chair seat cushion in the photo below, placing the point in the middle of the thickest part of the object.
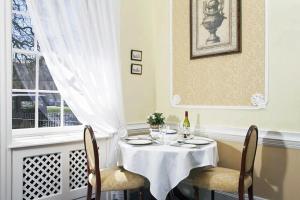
(116, 178)
(217, 178)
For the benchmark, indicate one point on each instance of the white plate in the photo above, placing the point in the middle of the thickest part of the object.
(139, 142)
(203, 138)
(188, 146)
(170, 131)
(138, 137)
(197, 142)
(132, 138)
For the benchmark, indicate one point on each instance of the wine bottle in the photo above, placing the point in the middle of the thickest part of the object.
(186, 125)
(186, 122)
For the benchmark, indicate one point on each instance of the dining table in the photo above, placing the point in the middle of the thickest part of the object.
(165, 165)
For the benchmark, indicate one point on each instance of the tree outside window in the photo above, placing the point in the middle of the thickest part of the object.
(36, 101)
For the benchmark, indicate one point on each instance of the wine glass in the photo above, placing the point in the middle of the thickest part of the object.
(163, 132)
(187, 132)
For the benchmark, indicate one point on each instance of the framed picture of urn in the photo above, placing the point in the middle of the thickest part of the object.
(214, 27)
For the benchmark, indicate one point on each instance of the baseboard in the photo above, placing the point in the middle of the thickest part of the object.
(218, 196)
(230, 196)
(104, 196)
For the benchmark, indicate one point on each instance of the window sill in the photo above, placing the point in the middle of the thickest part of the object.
(40, 139)
(24, 138)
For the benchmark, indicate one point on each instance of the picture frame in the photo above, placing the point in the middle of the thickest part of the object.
(136, 69)
(136, 55)
(215, 27)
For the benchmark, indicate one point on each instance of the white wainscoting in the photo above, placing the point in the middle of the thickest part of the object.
(283, 139)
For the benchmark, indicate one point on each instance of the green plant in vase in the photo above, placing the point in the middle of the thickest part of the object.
(155, 120)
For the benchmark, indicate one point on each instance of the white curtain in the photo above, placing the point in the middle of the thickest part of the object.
(80, 42)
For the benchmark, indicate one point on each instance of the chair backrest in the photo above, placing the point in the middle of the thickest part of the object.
(91, 150)
(249, 150)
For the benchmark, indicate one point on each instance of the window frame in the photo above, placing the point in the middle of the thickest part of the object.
(5, 100)
(36, 130)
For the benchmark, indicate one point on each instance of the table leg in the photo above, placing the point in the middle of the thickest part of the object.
(141, 194)
(125, 194)
(178, 194)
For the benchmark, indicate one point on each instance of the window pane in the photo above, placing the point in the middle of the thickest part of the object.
(49, 110)
(45, 79)
(69, 118)
(19, 5)
(23, 110)
(22, 33)
(24, 71)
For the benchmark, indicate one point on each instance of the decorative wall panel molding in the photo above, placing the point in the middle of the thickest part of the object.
(228, 81)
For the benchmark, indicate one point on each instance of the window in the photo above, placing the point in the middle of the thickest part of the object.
(35, 100)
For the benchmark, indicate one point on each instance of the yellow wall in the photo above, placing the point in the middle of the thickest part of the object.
(136, 33)
(228, 80)
(146, 25)
(275, 168)
(283, 110)
(275, 173)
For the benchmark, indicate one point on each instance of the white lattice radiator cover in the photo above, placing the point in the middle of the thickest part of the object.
(56, 172)
(78, 173)
(41, 176)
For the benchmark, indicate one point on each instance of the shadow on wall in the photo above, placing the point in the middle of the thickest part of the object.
(272, 172)
(270, 166)
(229, 155)
(269, 173)
(173, 119)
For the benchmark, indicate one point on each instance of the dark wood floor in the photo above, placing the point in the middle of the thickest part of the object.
(174, 196)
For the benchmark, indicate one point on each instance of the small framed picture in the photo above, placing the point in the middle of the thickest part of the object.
(136, 55)
(136, 69)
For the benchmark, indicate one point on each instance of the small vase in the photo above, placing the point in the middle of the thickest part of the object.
(154, 131)
(154, 126)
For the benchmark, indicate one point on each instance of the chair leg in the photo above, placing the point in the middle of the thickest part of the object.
(212, 194)
(172, 194)
(178, 194)
(196, 193)
(168, 197)
(241, 195)
(250, 192)
(141, 194)
(98, 193)
(125, 194)
(89, 192)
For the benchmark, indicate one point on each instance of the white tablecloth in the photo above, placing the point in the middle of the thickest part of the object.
(165, 166)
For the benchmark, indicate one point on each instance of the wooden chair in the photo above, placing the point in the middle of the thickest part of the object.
(110, 179)
(229, 180)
